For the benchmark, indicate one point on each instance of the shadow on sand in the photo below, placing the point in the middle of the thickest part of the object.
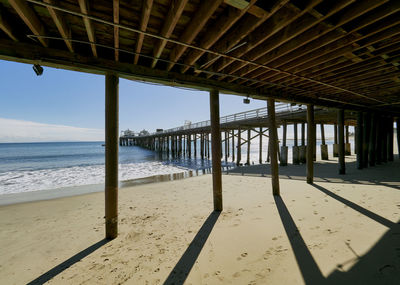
(380, 265)
(382, 174)
(67, 263)
(182, 269)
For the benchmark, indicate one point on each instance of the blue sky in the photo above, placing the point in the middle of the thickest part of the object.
(63, 99)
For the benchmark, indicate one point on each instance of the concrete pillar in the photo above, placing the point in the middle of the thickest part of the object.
(273, 147)
(359, 140)
(216, 149)
(310, 143)
(340, 120)
(295, 149)
(324, 146)
(111, 156)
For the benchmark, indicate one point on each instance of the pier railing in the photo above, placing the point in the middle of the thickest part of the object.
(247, 115)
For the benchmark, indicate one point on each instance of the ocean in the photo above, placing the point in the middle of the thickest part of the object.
(26, 167)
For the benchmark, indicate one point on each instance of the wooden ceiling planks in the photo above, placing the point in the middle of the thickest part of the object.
(332, 52)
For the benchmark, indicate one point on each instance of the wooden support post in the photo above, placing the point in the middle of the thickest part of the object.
(227, 143)
(284, 149)
(324, 146)
(273, 147)
(248, 146)
(340, 120)
(216, 149)
(202, 146)
(295, 149)
(347, 145)
(239, 147)
(372, 141)
(111, 157)
(365, 147)
(390, 139)
(384, 139)
(195, 145)
(260, 147)
(359, 141)
(233, 145)
(310, 143)
(398, 136)
(335, 141)
(208, 144)
(302, 148)
(226, 146)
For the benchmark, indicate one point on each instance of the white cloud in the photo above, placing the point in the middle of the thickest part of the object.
(26, 131)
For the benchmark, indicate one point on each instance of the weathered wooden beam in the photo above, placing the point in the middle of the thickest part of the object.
(6, 27)
(372, 141)
(216, 150)
(111, 159)
(248, 146)
(260, 147)
(366, 134)
(202, 15)
(116, 29)
(145, 16)
(61, 24)
(310, 143)
(220, 27)
(28, 15)
(84, 6)
(359, 140)
(273, 147)
(174, 13)
(239, 148)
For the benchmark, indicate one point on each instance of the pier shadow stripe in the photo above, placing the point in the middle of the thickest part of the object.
(185, 264)
(307, 265)
(67, 263)
(356, 207)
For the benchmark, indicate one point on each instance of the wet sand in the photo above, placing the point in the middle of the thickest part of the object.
(341, 230)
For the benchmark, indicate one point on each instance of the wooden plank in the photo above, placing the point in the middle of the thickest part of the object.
(111, 157)
(216, 149)
(6, 27)
(28, 15)
(202, 15)
(116, 29)
(273, 147)
(174, 13)
(146, 11)
(84, 6)
(220, 27)
(61, 24)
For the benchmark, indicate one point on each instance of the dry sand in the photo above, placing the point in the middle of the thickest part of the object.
(341, 230)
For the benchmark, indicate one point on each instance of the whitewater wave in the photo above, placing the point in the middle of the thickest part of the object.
(34, 180)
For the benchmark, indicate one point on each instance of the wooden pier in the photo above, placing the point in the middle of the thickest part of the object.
(342, 55)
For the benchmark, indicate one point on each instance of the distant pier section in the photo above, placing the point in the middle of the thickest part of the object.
(192, 140)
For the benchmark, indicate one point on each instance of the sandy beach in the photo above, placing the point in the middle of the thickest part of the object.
(341, 230)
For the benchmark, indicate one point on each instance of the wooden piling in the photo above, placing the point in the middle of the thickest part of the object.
(233, 145)
(398, 136)
(226, 146)
(384, 139)
(239, 147)
(335, 141)
(248, 146)
(295, 149)
(366, 130)
(195, 145)
(341, 150)
(390, 139)
(111, 156)
(359, 140)
(216, 149)
(324, 147)
(302, 148)
(372, 141)
(284, 149)
(273, 147)
(310, 143)
(260, 147)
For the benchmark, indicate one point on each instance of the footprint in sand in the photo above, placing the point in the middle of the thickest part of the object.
(315, 213)
(236, 274)
(244, 254)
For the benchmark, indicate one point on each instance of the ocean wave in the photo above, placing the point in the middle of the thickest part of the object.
(34, 180)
